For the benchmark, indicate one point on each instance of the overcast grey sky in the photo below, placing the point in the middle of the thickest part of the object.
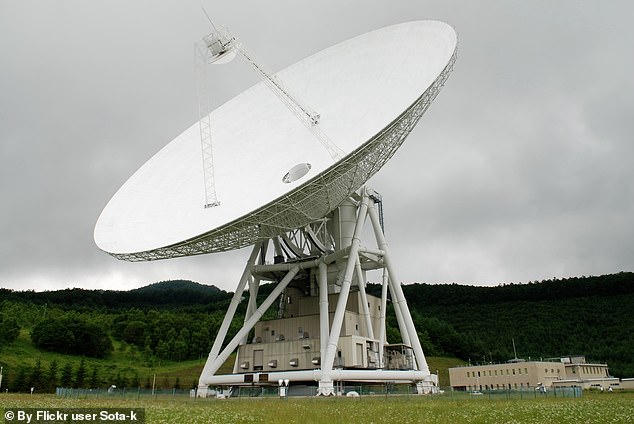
(521, 170)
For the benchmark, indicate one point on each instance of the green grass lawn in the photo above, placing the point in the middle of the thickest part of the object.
(591, 408)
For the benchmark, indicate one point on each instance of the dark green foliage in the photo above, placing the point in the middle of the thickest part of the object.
(80, 375)
(121, 380)
(9, 330)
(36, 378)
(178, 320)
(51, 377)
(134, 381)
(589, 316)
(72, 335)
(66, 379)
(20, 383)
(94, 381)
(163, 294)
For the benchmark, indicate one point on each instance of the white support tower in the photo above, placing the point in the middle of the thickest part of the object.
(323, 293)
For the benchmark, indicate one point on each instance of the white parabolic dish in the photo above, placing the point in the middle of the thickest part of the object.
(370, 91)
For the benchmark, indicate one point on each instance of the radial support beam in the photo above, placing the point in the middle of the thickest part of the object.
(398, 298)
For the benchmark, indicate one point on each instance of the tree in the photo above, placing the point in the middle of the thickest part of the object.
(51, 377)
(134, 333)
(66, 379)
(80, 376)
(134, 381)
(94, 382)
(121, 380)
(36, 379)
(9, 330)
(72, 335)
(163, 350)
(180, 348)
(20, 381)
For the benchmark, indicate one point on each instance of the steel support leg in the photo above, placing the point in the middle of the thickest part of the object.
(222, 357)
(324, 325)
(226, 322)
(397, 292)
(382, 329)
(326, 384)
(364, 298)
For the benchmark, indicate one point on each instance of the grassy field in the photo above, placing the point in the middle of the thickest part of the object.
(591, 408)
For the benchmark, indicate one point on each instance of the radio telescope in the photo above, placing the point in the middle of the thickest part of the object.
(283, 170)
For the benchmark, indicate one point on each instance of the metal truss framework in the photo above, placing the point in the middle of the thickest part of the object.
(202, 55)
(351, 257)
(310, 201)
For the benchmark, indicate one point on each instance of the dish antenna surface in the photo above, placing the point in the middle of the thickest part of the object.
(290, 158)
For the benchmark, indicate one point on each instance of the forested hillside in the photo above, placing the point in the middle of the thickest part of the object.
(591, 316)
(177, 321)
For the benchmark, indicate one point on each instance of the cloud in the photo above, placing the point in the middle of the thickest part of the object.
(519, 171)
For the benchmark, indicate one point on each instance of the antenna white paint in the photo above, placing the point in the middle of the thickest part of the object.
(279, 185)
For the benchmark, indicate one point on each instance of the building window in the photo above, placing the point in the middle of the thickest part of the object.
(546, 370)
(489, 373)
(525, 370)
(467, 374)
(507, 373)
(513, 371)
(496, 372)
(519, 370)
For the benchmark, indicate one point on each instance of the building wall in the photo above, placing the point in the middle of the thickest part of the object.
(515, 375)
(296, 304)
(586, 371)
(293, 342)
(627, 383)
(352, 352)
(523, 375)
